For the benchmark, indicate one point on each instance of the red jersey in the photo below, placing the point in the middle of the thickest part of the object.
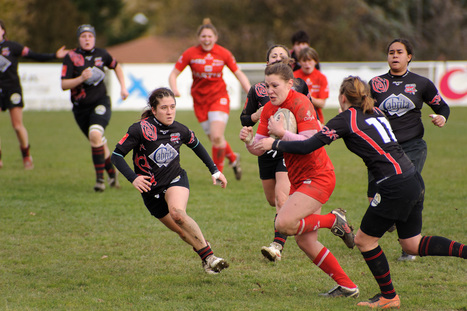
(206, 67)
(317, 86)
(299, 167)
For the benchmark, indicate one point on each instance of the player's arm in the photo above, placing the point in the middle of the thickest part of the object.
(173, 81)
(74, 82)
(297, 147)
(242, 78)
(121, 79)
(202, 153)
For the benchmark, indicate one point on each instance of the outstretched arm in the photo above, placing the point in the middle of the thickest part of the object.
(297, 147)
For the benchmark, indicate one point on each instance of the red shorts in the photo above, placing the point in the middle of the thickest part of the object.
(319, 187)
(202, 108)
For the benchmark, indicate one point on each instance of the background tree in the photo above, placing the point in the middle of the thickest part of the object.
(341, 30)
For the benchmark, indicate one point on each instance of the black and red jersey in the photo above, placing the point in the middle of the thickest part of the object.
(75, 62)
(10, 51)
(402, 98)
(369, 136)
(156, 150)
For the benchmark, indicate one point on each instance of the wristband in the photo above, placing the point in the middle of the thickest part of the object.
(216, 175)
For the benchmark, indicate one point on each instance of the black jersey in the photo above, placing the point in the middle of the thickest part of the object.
(371, 138)
(10, 51)
(156, 150)
(402, 98)
(93, 89)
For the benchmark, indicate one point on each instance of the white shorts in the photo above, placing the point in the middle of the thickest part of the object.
(214, 116)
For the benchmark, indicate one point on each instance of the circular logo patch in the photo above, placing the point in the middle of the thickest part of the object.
(100, 110)
(15, 98)
(376, 200)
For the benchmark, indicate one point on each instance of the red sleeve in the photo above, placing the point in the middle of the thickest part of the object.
(230, 61)
(268, 111)
(324, 87)
(184, 60)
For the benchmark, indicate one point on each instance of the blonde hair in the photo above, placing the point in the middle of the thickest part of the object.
(357, 93)
(206, 25)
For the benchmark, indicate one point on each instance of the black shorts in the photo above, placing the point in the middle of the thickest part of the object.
(270, 163)
(10, 99)
(416, 150)
(155, 199)
(399, 200)
(97, 114)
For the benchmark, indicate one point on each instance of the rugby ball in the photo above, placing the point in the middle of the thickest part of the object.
(290, 123)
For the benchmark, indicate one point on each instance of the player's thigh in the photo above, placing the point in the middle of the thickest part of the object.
(298, 206)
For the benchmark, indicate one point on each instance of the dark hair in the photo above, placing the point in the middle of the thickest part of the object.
(2, 24)
(299, 37)
(276, 46)
(281, 69)
(357, 93)
(154, 100)
(206, 25)
(309, 53)
(406, 43)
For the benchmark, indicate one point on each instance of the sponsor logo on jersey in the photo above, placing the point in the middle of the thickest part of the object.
(379, 85)
(376, 200)
(307, 182)
(436, 100)
(98, 62)
(76, 58)
(309, 116)
(200, 61)
(6, 51)
(163, 155)
(397, 104)
(331, 134)
(260, 90)
(411, 88)
(224, 101)
(164, 131)
(175, 137)
(397, 83)
(149, 130)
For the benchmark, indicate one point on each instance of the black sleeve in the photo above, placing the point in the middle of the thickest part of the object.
(256, 98)
(119, 161)
(298, 146)
(201, 152)
(41, 57)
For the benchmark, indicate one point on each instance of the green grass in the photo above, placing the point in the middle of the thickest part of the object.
(64, 247)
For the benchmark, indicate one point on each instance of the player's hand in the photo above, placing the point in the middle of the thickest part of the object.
(265, 144)
(142, 183)
(246, 134)
(86, 74)
(276, 127)
(61, 52)
(438, 120)
(220, 180)
(124, 94)
(257, 115)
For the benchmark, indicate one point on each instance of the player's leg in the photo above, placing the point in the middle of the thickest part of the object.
(371, 230)
(177, 199)
(16, 115)
(326, 261)
(217, 123)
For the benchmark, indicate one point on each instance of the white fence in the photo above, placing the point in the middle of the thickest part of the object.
(42, 91)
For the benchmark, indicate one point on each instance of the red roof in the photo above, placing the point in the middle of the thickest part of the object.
(152, 49)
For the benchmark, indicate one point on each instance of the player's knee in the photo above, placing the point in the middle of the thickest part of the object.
(178, 215)
(283, 226)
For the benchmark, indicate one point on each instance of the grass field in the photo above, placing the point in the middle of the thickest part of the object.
(64, 247)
